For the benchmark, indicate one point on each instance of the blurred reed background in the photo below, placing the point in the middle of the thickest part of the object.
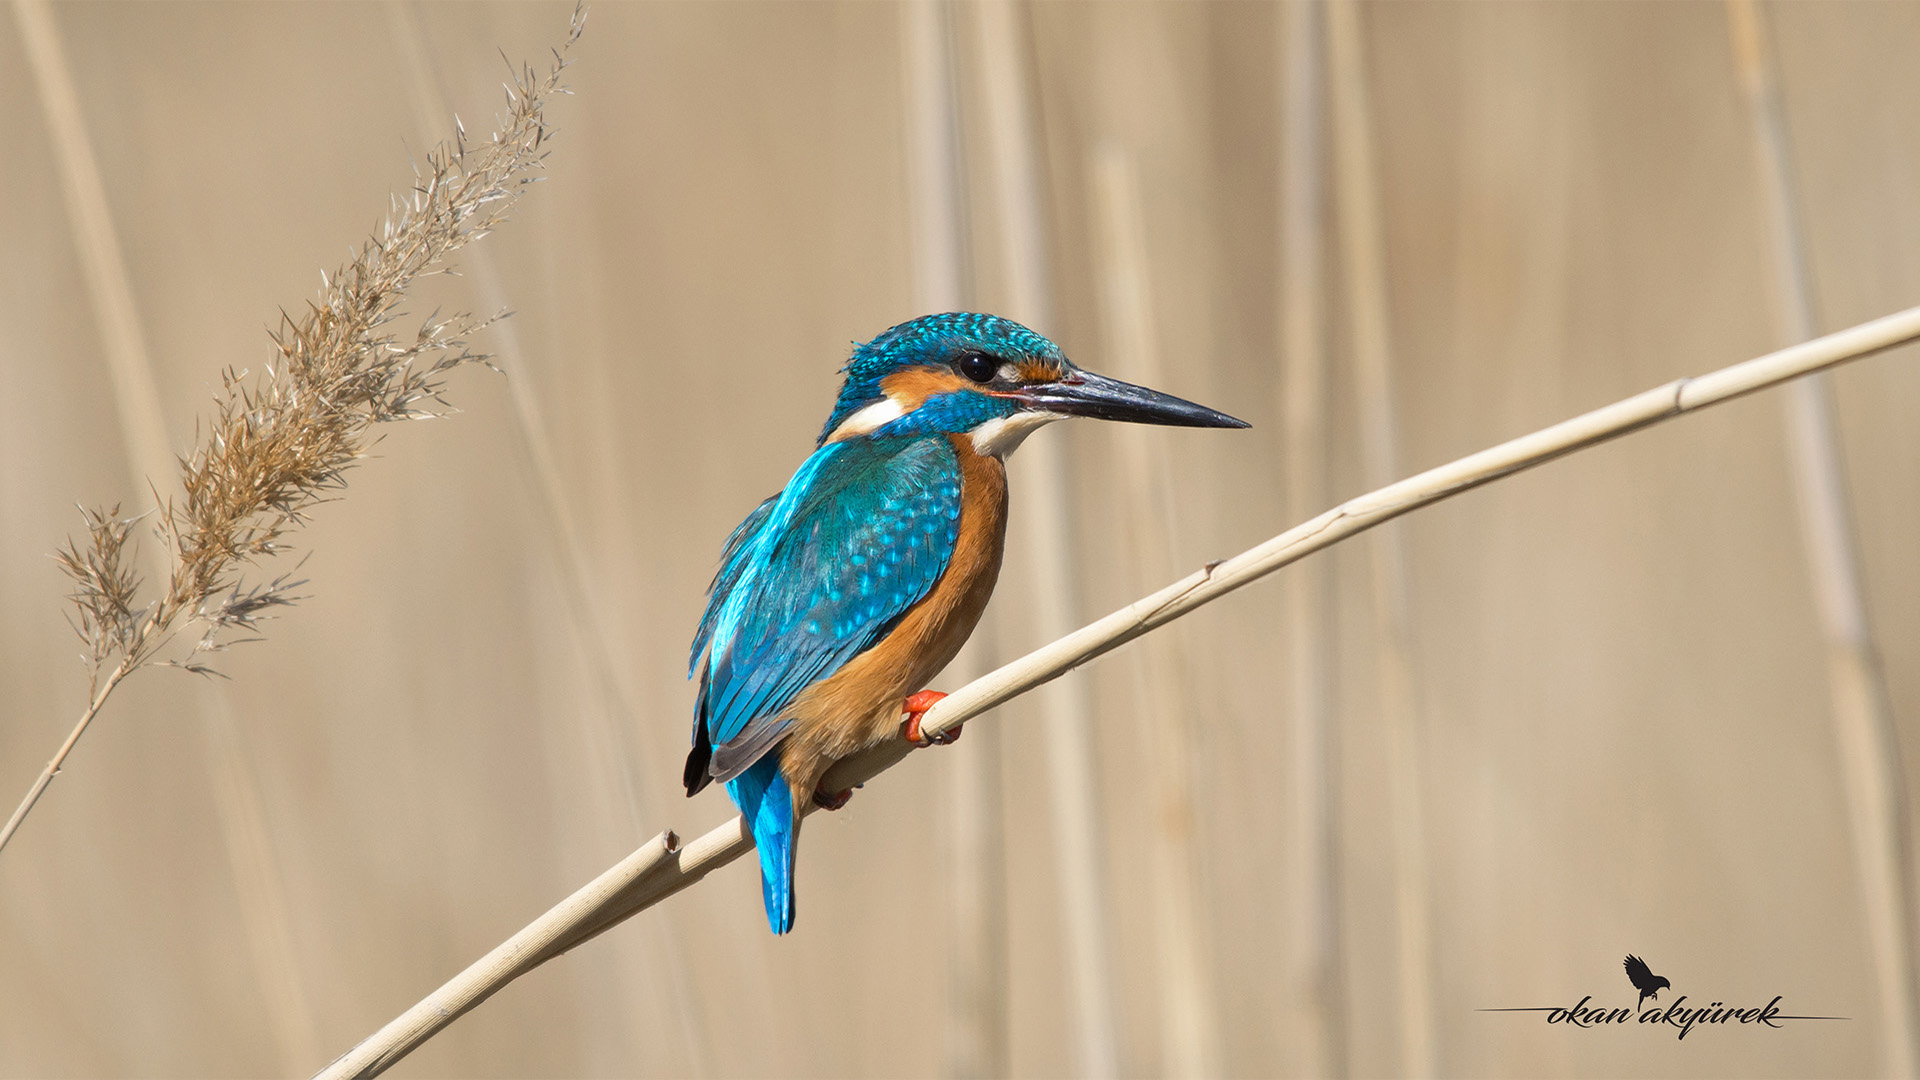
(1466, 765)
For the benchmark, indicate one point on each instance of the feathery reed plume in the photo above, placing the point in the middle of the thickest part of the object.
(280, 441)
(257, 889)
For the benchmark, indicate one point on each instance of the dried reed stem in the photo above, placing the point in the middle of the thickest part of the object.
(1363, 257)
(280, 442)
(559, 525)
(1043, 527)
(136, 397)
(1314, 1034)
(105, 687)
(975, 926)
(1864, 723)
(266, 917)
(621, 757)
(575, 920)
(257, 887)
(936, 165)
(1189, 1041)
(685, 866)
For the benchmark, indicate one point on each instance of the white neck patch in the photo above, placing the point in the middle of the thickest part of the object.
(1003, 435)
(872, 418)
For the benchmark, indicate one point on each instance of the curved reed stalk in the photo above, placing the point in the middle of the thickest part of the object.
(621, 758)
(257, 888)
(1314, 1029)
(1363, 260)
(941, 226)
(1163, 708)
(1865, 726)
(662, 868)
(1006, 67)
(281, 441)
(577, 919)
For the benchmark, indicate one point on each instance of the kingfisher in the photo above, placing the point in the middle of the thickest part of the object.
(840, 597)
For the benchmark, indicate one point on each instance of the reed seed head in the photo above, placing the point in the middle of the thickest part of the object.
(281, 440)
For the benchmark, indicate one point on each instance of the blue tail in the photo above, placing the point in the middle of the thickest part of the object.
(766, 802)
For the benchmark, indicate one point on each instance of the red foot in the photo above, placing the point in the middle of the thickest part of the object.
(830, 802)
(915, 707)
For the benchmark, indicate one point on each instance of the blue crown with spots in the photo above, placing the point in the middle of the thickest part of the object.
(926, 341)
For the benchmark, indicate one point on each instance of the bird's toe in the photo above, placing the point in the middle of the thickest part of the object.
(916, 707)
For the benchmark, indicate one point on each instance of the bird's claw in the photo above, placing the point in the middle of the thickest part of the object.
(916, 707)
(833, 801)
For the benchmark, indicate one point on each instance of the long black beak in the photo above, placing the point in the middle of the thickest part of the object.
(1082, 393)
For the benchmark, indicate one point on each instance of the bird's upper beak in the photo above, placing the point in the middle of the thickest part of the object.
(1083, 393)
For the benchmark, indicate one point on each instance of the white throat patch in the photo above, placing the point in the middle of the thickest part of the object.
(872, 418)
(1003, 435)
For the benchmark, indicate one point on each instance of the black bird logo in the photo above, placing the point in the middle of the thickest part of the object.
(1644, 980)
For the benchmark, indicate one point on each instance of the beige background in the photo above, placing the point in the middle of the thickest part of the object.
(1627, 736)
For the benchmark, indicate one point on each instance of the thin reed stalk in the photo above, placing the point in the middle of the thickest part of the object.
(1864, 724)
(556, 519)
(936, 161)
(136, 395)
(282, 440)
(1189, 1040)
(265, 915)
(683, 867)
(1043, 528)
(1363, 258)
(620, 755)
(975, 926)
(577, 919)
(258, 891)
(1315, 1028)
(974, 835)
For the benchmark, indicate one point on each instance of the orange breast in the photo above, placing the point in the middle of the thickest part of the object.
(859, 705)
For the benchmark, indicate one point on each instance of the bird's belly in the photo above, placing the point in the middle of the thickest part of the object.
(859, 705)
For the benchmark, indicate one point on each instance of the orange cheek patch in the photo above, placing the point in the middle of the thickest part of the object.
(1039, 371)
(913, 386)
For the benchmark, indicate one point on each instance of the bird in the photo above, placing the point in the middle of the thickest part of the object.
(838, 598)
(1644, 980)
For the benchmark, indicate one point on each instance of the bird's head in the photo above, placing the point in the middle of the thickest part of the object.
(987, 377)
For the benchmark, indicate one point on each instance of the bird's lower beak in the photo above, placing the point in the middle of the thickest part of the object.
(1083, 393)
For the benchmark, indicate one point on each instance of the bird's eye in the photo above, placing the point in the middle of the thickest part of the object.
(979, 367)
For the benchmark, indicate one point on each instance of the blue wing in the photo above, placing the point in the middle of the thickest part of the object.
(732, 564)
(815, 577)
